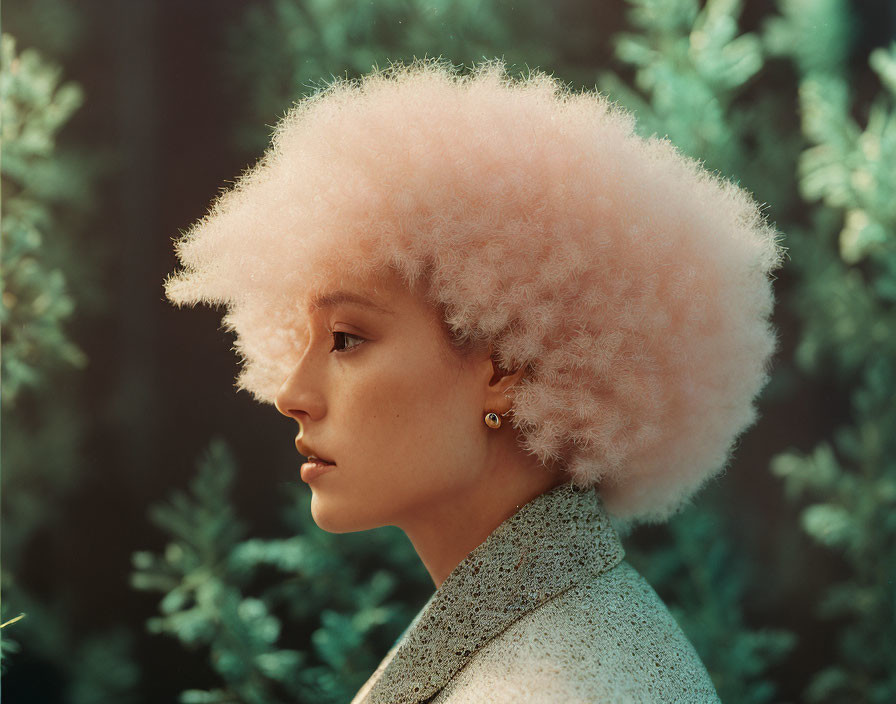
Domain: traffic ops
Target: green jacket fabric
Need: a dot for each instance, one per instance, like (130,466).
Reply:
(546,609)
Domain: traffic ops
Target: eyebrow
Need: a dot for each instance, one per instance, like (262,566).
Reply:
(334,298)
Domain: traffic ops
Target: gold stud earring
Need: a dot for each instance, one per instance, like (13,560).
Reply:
(492,420)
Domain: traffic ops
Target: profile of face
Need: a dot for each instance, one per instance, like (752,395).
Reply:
(380,392)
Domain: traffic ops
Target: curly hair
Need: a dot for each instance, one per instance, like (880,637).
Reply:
(630,282)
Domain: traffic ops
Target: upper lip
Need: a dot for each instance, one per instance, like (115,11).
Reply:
(310,452)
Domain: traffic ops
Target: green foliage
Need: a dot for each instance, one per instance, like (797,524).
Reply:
(851,169)
(212,579)
(693,81)
(852,486)
(850,480)
(814,34)
(46,190)
(284,48)
(36,301)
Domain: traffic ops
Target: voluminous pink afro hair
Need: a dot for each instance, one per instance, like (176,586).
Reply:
(630,282)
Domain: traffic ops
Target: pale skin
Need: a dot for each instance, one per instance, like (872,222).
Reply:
(381,393)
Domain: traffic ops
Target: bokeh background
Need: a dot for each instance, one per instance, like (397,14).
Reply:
(155,533)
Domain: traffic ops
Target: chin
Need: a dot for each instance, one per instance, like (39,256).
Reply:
(336,517)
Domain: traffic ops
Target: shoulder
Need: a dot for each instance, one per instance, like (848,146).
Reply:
(610,638)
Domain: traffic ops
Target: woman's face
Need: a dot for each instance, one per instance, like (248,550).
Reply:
(380,393)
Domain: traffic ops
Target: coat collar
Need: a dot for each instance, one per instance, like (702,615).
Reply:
(559,539)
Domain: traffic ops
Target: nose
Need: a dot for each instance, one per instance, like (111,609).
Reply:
(280,402)
(297,397)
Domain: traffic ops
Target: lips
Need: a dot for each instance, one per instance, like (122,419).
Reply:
(314,468)
(307,451)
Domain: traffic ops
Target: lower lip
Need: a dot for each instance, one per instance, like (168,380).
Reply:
(312,470)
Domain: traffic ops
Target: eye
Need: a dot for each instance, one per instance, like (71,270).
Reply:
(340,340)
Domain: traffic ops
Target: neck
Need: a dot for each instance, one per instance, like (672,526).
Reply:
(444,535)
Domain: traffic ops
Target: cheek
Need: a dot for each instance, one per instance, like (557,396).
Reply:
(441,411)
(418,409)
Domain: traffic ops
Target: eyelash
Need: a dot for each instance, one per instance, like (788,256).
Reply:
(347,334)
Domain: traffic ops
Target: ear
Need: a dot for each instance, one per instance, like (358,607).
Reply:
(496,398)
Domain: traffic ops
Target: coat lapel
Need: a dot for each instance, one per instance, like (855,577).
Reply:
(557,540)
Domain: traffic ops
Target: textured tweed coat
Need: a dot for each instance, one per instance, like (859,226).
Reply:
(544,610)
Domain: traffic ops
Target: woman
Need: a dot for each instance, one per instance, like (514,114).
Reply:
(498,318)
